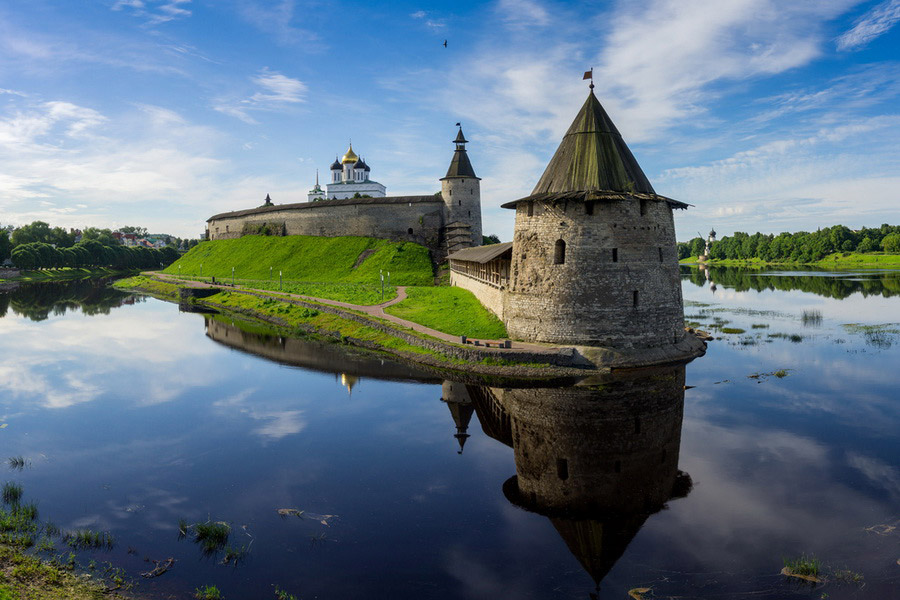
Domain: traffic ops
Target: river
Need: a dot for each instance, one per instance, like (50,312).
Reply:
(345,475)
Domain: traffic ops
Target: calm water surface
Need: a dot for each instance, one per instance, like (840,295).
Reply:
(133,416)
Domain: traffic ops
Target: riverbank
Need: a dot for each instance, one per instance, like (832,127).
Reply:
(25,576)
(838,260)
(64,274)
(370,327)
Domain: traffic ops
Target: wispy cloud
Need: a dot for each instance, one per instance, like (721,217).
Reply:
(277,19)
(871,25)
(523,14)
(430,22)
(277,91)
(155,12)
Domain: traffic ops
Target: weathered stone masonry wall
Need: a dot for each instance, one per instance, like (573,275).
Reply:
(618,284)
(417,219)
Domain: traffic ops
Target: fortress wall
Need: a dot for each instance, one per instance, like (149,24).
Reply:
(590,298)
(490,296)
(391,221)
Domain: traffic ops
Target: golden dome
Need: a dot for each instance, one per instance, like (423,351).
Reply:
(350,157)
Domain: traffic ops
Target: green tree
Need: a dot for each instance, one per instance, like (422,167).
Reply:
(866,245)
(38,231)
(5,244)
(891,242)
(697,246)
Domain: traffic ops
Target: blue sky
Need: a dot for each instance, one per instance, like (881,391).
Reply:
(765,115)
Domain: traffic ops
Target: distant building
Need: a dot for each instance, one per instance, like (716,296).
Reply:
(349,179)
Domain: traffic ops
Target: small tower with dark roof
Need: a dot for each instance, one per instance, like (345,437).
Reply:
(336,169)
(594,259)
(461,191)
(461,408)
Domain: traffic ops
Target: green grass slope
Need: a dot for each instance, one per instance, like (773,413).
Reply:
(452,310)
(308,258)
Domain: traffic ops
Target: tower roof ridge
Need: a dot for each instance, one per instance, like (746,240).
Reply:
(593,157)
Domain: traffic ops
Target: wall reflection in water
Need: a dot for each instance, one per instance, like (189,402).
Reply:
(597,460)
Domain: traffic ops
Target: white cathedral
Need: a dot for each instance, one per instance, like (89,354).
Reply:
(349,177)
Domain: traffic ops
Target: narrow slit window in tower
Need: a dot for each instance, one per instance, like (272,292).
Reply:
(588,208)
(409,231)
(643,207)
(660,255)
(635,298)
(637,424)
(559,253)
(531,209)
(618,466)
(562,468)
(615,255)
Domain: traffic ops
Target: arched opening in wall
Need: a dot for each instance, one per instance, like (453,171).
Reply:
(559,253)
(643,207)
(615,255)
(531,209)
(409,231)
(562,468)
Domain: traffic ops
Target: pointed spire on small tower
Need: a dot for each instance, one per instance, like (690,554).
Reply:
(268,201)
(460,165)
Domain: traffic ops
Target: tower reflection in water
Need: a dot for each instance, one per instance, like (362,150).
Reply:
(597,460)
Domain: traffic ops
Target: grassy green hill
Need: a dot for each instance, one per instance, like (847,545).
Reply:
(309,258)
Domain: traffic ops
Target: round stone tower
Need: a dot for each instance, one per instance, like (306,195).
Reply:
(594,258)
(461,191)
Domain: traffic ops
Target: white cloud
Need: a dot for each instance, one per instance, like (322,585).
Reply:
(155,12)
(522,14)
(73,155)
(280,88)
(276,19)
(277,92)
(871,25)
(432,23)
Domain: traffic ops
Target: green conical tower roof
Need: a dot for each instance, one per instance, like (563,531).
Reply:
(593,157)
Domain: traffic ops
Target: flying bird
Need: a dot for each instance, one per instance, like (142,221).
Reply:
(445,43)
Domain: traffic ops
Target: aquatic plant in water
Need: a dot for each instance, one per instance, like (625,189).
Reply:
(12,493)
(212,536)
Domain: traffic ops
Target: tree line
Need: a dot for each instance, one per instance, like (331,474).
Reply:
(39,246)
(801,246)
(740,279)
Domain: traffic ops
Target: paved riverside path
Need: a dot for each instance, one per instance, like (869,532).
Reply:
(375,310)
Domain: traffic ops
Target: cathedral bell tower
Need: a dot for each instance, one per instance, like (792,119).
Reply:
(461,191)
